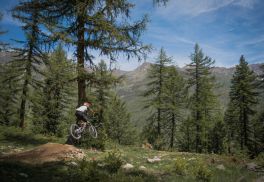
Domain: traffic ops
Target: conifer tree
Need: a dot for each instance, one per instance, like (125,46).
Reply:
(103,82)
(118,126)
(203,99)
(94,25)
(30,56)
(243,95)
(50,106)
(155,90)
(257,145)
(217,136)
(186,135)
(174,102)
(231,124)
(8,95)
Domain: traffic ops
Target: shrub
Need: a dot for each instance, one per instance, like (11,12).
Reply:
(180,167)
(113,161)
(202,172)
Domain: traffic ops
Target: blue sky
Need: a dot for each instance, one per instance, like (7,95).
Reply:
(224,29)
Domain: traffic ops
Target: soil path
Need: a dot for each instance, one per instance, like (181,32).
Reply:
(49,152)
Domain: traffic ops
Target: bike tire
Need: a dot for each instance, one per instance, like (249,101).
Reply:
(73,133)
(92,130)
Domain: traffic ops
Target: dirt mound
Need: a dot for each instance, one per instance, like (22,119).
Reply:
(49,152)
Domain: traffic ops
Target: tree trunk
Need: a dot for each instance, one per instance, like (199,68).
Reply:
(80,60)
(25,89)
(172,130)
(32,42)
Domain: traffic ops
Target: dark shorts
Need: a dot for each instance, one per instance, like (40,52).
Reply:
(81,116)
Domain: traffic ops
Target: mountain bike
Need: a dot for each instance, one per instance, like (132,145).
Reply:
(76,131)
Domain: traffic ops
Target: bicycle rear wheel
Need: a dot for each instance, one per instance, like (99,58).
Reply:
(75,131)
(92,130)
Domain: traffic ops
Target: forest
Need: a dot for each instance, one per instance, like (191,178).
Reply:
(181,112)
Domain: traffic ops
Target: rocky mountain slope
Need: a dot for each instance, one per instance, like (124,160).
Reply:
(135,84)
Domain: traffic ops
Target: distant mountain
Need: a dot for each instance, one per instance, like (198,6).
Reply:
(6,56)
(135,84)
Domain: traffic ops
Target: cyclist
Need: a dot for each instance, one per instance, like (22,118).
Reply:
(82,112)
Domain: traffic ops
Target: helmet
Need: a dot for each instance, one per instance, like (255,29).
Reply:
(87,103)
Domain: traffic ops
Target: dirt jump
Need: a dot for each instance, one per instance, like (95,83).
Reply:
(50,152)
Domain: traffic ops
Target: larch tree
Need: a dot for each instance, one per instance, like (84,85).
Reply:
(155,90)
(52,100)
(98,25)
(174,102)
(243,94)
(30,56)
(119,127)
(203,98)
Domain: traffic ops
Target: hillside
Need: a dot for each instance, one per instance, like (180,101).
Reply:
(135,84)
(28,157)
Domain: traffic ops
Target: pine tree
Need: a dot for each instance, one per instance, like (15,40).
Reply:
(51,104)
(103,82)
(95,25)
(118,126)
(217,136)
(8,95)
(186,135)
(155,90)
(100,93)
(258,135)
(30,56)
(243,95)
(231,124)
(203,99)
(174,102)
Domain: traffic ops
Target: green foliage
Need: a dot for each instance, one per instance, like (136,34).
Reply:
(118,126)
(8,95)
(113,161)
(243,98)
(107,35)
(203,101)
(217,137)
(155,90)
(180,167)
(30,56)
(174,99)
(52,101)
(203,173)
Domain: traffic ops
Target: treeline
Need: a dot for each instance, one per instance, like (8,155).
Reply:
(187,116)
(38,87)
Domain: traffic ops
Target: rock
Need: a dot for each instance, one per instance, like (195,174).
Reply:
(155,159)
(73,163)
(147,146)
(251,166)
(23,174)
(190,159)
(127,166)
(220,166)
(142,168)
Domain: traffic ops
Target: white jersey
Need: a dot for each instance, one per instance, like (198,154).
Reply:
(82,108)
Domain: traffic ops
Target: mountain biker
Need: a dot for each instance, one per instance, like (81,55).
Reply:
(82,112)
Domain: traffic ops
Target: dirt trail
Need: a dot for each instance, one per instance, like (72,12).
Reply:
(49,152)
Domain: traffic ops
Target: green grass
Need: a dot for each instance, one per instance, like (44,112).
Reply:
(174,166)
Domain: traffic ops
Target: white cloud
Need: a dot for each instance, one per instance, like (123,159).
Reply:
(194,8)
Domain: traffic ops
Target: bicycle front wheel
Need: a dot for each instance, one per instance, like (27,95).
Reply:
(75,131)
(93,132)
